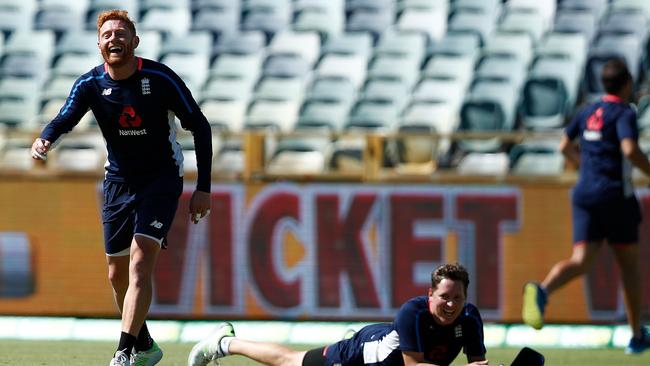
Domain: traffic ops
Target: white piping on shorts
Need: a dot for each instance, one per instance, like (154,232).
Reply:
(121,253)
(159,241)
(127,251)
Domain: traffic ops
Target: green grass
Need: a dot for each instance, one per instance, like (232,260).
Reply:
(36,353)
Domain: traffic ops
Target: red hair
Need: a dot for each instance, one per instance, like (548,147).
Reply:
(122,15)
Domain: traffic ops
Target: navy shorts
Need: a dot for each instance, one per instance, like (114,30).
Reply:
(616,221)
(146,210)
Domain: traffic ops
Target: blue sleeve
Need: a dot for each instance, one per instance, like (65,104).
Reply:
(406,324)
(473,332)
(192,119)
(76,105)
(626,126)
(572,130)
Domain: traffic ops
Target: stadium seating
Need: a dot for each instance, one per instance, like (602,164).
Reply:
(442,90)
(18,101)
(167,21)
(524,20)
(299,156)
(431,117)
(246,67)
(322,66)
(536,157)
(372,21)
(16,153)
(625,21)
(83,153)
(349,43)
(71,64)
(224,115)
(458,43)
(227,88)
(476,163)
(190,43)
(323,113)
(640,6)
(472,21)
(431,22)
(219,22)
(596,7)
(275,115)
(286,65)
(518,44)
(61,18)
(150,44)
(228,160)
(280,88)
(346,155)
(576,21)
(17,15)
(456,67)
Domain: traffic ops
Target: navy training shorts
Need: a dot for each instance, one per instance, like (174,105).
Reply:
(616,221)
(146,210)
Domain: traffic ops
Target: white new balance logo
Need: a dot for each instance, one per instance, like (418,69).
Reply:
(107,91)
(156,224)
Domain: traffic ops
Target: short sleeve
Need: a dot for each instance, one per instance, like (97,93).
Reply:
(406,324)
(473,333)
(626,125)
(572,130)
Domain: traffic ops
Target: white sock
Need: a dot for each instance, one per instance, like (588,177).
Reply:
(224,344)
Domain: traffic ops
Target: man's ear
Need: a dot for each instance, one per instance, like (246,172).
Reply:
(430,292)
(136,42)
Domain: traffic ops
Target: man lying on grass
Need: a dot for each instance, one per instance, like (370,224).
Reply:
(427,329)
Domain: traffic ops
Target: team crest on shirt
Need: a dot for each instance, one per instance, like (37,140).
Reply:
(146,88)
(458,331)
(594,125)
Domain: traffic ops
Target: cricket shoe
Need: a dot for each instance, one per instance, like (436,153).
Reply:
(209,349)
(120,359)
(149,357)
(533,306)
(638,345)
(349,333)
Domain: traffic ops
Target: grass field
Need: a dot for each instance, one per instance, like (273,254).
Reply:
(37,353)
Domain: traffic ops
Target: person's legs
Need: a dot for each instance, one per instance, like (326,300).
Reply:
(578,264)
(627,257)
(222,342)
(536,295)
(271,354)
(143,258)
(118,276)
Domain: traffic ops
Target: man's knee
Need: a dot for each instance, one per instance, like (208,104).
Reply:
(118,277)
(118,271)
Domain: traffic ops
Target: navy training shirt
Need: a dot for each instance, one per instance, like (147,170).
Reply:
(418,332)
(605,173)
(136,117)
(415,330)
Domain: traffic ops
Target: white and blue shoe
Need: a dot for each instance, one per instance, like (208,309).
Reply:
(209,349)
(120,359)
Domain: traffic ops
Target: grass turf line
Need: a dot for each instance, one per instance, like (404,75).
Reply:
(67,353)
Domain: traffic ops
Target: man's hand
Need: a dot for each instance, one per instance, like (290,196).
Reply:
(199,206)
(40,147)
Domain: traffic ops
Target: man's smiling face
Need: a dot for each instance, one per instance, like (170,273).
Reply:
(117,43)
